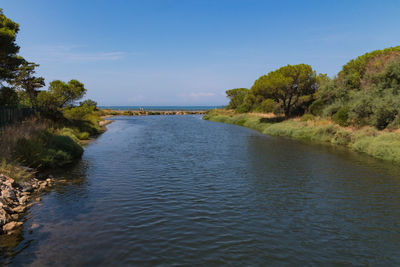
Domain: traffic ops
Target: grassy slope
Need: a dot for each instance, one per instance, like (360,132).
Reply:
(382,145)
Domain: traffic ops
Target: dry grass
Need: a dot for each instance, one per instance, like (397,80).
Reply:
(19,174)
(10,135)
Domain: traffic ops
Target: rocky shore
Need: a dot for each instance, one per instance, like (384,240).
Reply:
(16,198)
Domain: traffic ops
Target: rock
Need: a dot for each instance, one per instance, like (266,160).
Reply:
(48,180)
(23,200)
(15,217)
(19,209)
(26,187)
(38,199)
(4,217)
(11,226)
(8,193)
(25,193)
(34,226)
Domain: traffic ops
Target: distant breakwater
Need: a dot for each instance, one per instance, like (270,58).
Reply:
(113,112)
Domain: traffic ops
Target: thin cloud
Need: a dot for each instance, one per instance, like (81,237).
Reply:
(201,94)
(70,54)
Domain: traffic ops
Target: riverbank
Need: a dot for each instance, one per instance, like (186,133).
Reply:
(383,145)
(43,147)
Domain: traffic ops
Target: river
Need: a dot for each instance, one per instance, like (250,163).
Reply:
(177,190)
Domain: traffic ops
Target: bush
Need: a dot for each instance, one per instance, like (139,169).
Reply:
(66,144)
(316,107)
(342,116)
(47,150)
(383,116)
(307,117)
(83,136)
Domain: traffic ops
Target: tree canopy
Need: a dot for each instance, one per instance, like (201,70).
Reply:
(287,85)
(9,60)
(61,94)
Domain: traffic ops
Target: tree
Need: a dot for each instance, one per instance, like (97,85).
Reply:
(8,97)
(24,80)
(61,94)
(9,60)
(236,97)
(287,86)
(89,103)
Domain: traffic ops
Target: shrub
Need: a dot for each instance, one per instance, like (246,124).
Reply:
(383,116)
(66,144)
(83,136)
(307,117)
(342,116)
(316,107)
(47,150)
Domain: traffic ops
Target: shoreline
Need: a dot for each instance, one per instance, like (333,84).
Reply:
(17,197)
(382,145)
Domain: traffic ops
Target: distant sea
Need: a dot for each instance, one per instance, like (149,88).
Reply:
(161,107)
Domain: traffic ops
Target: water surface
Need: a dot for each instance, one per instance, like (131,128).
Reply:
(177,190)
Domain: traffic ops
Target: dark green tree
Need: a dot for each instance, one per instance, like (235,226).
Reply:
(236,97)
(61,94)
(25,80)
(9,60)
(287,86)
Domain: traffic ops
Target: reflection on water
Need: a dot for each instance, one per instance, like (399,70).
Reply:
(178,190)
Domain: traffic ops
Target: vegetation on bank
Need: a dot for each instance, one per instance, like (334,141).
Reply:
(53,136)
(358,108)
(379,144)
(366,92)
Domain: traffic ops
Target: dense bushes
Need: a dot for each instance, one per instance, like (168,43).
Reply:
(366,92)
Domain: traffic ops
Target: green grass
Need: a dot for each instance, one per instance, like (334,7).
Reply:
(382,145)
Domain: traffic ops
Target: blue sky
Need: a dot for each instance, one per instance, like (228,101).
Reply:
(171,52)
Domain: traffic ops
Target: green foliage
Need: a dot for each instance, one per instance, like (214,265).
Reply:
(342,116)
(25,80)
(60,95)
(236,97)
(47,150)
(247,103)
(307,117)
(268,105)
(9,60)
(353,72)
(78,113)
(287,85)
(8,97)
(316,108)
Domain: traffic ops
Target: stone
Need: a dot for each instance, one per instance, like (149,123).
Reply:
(19,209)
(38,199)
(14,217)
(11,226)
(8,193)
(23,200)
(4,217)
